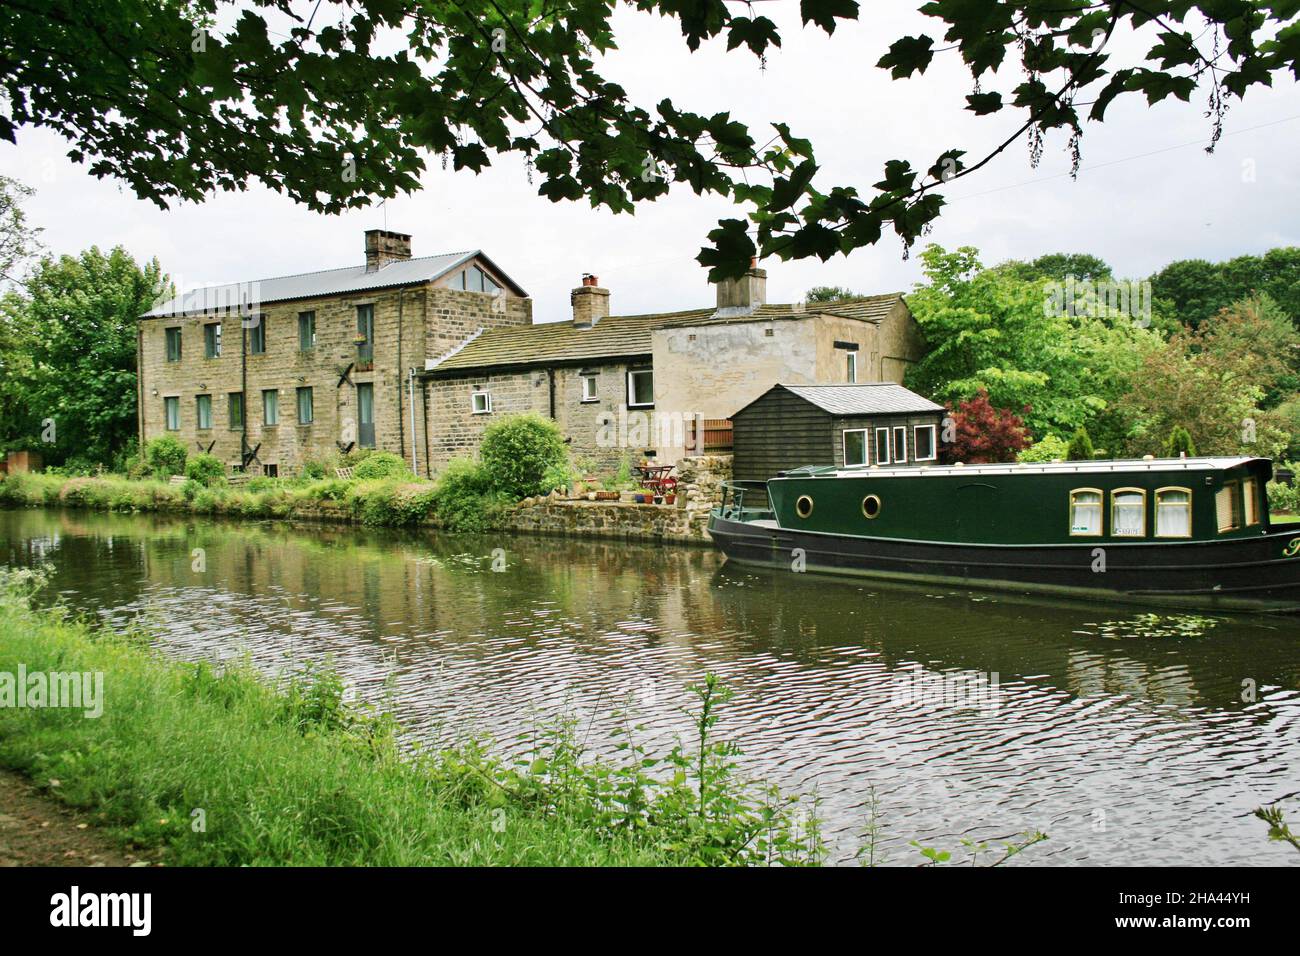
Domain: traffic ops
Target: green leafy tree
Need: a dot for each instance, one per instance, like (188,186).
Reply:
(1080,447)
(76,318)
(829,293)
(1212,381)
(1050,448)
(1059,266)
(519,451)
(990,330)
(164,456)
(1198,290)
(1180,443)
(336,103)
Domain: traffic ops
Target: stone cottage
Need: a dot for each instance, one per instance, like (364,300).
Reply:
(269,374)
(640,386)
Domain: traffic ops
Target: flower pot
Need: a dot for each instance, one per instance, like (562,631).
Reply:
(670,499)
(659,499)
(639,499)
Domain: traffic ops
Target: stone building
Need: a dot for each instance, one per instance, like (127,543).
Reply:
(639,386)
(271,373)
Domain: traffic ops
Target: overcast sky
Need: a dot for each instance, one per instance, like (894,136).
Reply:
(1147,194)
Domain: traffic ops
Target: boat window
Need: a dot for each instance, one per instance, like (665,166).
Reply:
(871,506)
(923,443)
(1227,505)
(804,506)
(855,447)
(1173,513)
(1128,513)
(1085,511)
(882,446)
(1250,501)
(900,444)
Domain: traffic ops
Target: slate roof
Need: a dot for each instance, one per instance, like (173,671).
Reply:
(307,285)
(619,336)
(876,398)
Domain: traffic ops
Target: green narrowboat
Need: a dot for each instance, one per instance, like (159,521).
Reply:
(1185,532)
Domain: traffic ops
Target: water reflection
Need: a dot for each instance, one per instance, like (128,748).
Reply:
(1124,746)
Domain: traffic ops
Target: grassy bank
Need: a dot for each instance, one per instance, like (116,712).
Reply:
(226,768)
(385,502)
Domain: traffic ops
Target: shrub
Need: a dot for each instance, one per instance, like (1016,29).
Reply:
(381,464)
(205,469)
(164,457)
(1282,497)
(1051,448)
(1080,446)
(315,470)
(517,452)
(1180,443)
(464,497)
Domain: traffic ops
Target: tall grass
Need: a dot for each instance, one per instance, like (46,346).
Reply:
(222,767)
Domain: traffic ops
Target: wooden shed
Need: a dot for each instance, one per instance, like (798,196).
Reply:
(790,426)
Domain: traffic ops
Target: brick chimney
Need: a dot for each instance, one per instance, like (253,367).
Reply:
(590,302)
(383,247)
(743,295)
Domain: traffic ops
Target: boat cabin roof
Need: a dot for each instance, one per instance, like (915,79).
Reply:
(1116,466)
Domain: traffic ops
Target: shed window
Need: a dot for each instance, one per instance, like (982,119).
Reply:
(173,337)
(882,446)
(923,443)
(855,447)
(1085,511)
(212,340)
(640,388)
(1128,513)
(851,373)
(1173,513)
(1227,506)
(589,387)
(1250,500)
(172,409)
(480,402)
(203,406)
(900,444)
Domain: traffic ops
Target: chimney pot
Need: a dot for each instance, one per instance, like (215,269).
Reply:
(589,279)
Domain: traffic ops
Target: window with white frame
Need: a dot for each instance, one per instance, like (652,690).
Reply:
(900,444)
(851,368)
(589,387)
(923,444)
(480,401)
(640,388)
(855,447)
(882,446)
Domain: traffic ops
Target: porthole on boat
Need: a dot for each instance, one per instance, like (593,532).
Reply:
(871,506)
(804,506)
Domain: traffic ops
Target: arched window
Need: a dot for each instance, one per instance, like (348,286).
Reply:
(1085,511)
(1173,513)
(1128,513)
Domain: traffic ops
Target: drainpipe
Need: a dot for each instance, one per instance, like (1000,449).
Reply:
(550,376)
(401,438)
(410,385)
(428,456)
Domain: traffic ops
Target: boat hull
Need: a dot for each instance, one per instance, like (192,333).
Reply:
(1229,575)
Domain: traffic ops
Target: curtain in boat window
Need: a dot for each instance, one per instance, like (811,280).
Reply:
(1085,512)
(1227,508)
(1127,514)
(1174,513)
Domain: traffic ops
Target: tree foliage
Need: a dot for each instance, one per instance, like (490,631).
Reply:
(983,434)
(989,330)
(1080,447)
(1059,266)
(336,103)
(518,452)
(72,345)
(1198,289)
(829,293)
(1212,381)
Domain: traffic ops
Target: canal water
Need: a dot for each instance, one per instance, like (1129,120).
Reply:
(1130,738)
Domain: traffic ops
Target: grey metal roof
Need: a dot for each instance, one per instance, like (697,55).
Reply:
(306,285)
(877,398)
